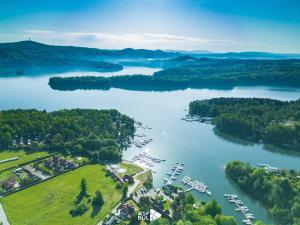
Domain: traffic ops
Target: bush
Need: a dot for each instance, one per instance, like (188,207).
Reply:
(98,199)
(79,209)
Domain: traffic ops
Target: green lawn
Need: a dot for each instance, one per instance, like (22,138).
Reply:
(131,169)
(49,202)
(23,157)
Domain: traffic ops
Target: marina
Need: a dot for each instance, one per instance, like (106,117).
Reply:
(195,185)
(146,159)
(174,173)
(240,207)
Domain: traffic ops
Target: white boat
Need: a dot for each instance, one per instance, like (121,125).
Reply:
(209,193)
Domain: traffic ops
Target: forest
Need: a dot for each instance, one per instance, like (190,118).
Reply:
(98,134)
(237,71)
(255,119)
(279,192)
(188,72)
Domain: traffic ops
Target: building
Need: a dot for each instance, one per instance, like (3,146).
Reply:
(126,211)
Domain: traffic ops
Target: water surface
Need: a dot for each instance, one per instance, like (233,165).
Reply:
(204,152)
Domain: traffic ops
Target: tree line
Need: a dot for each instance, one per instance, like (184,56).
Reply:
(255,119)
(97,134)
(279,192)
(187,72)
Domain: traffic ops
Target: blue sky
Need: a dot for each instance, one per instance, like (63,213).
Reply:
(215,25)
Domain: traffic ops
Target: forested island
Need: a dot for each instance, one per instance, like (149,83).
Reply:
(255,119)
(98,134)
(188,72)
(279,191)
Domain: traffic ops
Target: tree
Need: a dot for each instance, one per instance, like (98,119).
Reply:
(190,198)
(79,209)
(83,187)
(296,209)
(98,199)
(212,208)
(225,220)
(125,190)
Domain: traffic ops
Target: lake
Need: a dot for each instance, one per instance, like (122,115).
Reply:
(197,145)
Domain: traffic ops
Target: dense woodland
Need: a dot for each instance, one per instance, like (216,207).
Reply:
(187,72)
(255,119)
(233,71)
(280,192)
(97,134)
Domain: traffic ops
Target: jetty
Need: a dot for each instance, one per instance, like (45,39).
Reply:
(194,118)
(174,173)
(195,185)
(240,207)
(147,159)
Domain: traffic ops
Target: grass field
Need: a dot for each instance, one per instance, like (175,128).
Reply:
(23,157)
(131,169)
(49,202)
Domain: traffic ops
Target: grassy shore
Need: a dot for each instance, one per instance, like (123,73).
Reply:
(49,202)
(24,157)
(131,169)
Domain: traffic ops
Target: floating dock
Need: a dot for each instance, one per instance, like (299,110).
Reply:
(146,159)
(234,199)
(195,185)
(174,173)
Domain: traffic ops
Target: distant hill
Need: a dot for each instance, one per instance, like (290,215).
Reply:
(238,55)
(249,55)
(29,56)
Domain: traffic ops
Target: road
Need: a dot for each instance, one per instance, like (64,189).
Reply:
(3,217)
(131,190)
(35,172)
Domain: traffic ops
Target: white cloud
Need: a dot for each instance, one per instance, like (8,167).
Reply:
(134,40)
(38,31)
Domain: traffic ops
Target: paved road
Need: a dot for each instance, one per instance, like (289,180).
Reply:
(131,189)
(36,172)
(3,217)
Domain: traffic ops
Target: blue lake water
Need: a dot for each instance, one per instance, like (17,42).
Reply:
(204,152)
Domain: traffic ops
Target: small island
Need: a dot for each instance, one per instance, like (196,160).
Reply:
(255,119)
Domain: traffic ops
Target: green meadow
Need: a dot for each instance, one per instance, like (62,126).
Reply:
(50,202)
(24,157)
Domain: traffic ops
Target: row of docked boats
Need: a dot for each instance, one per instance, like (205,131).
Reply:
(148,160)
(195,185)
(240,207)
(174,173)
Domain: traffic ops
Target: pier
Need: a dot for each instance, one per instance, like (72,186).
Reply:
(241,208)
(148,160)
(173,174)
(195,185)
